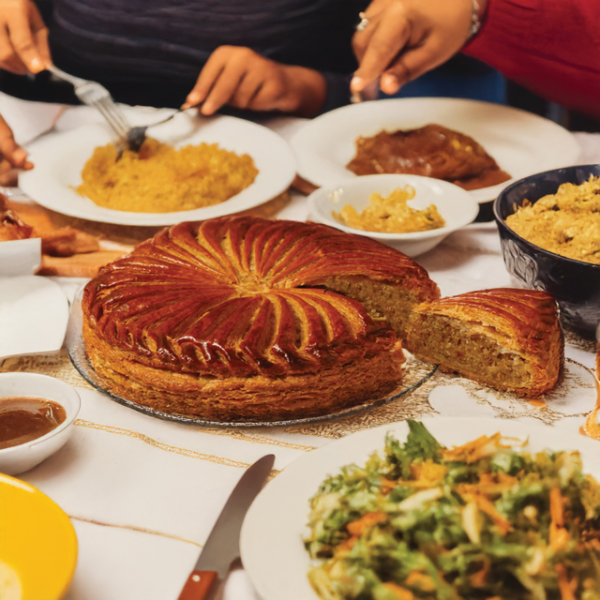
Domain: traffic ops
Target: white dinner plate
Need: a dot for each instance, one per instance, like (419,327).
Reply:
(271,542)
(59,158)
(33,316)
(521,143)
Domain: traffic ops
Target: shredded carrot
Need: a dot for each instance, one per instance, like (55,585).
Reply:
(478,578)
(420,580)
(506,479)
(566,593)
(574,583)
(387,485)
(489,484)
(556,507)
(559,536)
(486,479)
(347,545)
(473,451)
(401,593)
(465,449)
(487,507)
(368,520)
(428,471)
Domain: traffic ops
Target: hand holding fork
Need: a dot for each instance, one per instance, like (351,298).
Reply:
(96,95)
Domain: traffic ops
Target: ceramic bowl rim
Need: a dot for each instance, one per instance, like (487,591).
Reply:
(501,222)
(68,422)
(413,236)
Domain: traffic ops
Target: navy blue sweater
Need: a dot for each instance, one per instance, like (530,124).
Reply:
(151,51)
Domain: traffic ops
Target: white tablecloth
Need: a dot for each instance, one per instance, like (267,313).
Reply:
(143,494)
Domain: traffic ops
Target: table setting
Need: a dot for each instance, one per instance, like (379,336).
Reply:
(188,354)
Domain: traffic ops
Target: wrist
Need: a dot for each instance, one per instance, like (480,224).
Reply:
(307,91)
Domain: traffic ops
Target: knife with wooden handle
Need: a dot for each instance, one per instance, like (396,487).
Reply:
(223,544)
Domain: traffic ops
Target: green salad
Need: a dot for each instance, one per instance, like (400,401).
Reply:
(480,521)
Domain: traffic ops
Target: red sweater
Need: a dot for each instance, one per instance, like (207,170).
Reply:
(550,46)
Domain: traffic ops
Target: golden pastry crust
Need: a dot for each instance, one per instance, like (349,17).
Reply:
(253,398)
(233,319)
(509,339)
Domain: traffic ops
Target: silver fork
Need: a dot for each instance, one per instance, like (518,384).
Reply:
(96,95)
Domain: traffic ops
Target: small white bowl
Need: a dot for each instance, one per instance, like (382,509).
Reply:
(21,458)
(454,204)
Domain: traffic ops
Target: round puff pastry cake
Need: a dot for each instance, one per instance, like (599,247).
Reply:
(246,319)
(509,339)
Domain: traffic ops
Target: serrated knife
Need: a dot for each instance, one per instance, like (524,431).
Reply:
(223,544)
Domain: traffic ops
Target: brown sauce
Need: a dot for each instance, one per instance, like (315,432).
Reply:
(25,419)
(431,151)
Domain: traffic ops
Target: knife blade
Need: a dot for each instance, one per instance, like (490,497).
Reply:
(223,544)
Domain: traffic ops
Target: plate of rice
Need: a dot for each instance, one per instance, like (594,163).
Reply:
(190,168)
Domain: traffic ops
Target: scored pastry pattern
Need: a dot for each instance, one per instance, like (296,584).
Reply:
(243,297)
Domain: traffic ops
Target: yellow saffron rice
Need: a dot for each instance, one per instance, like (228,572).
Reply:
(162,179)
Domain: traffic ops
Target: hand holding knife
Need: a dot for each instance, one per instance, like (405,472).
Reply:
(223,544)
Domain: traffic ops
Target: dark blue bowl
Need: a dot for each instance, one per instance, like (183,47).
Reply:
(574,284)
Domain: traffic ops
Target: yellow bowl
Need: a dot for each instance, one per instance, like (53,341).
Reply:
(38,546)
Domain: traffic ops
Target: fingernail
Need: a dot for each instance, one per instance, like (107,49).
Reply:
(391,83)
(207,108)
(36,65)
(193,98)
(185,105)
(357,84)
(28,166)
(19,155)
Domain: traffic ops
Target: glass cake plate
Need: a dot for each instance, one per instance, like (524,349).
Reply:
(413,379)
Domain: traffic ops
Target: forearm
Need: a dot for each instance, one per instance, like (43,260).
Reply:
(550,46)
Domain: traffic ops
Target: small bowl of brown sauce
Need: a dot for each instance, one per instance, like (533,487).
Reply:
(36,415)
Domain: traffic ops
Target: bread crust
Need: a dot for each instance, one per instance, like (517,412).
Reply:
(523,322)
(255,398)
(231,319)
